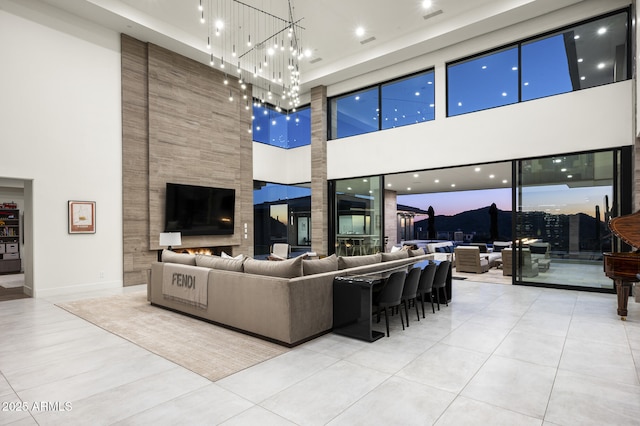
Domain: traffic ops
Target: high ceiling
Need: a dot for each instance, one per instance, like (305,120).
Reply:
(402,29)
(394,32)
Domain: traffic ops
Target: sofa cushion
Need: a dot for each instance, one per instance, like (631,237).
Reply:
(217,262)
(169,256)
(318,266)
(228,256)
(402,254)
(289,268)
(345,262)
(416,252)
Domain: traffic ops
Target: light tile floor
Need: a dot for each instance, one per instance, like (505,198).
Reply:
(498,354)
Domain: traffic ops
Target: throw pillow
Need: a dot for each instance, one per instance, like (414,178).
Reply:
(169,256)
(345,262)
(227,256)
(416,252)
(402,254)
(318,266)
(215,262)
(395,249)
(289,268)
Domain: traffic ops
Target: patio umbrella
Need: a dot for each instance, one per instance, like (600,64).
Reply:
(431,224)
(493,227)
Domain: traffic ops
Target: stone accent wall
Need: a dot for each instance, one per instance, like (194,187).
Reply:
(135,162)
(194,135)
(390,218)
(319,190)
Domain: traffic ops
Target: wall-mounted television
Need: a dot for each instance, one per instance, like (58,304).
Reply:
(199,210)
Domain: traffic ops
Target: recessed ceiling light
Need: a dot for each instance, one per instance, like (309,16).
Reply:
(504,93)
(526,83)
(504,181)
(389,185)
(583,78)
(417,93)
(437,181)
(459,103)
(602,30)
(601,65)
(580,59)
(492,176)
(409,189)
(426,4)
(415,175)
(484,67)
(477,169)
(514,68)
(569,176)
(576,37)
(365,180)
(563,170)
(360,31)
(348,188)
(453,185)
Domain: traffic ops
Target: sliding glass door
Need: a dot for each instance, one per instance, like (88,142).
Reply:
(562,205)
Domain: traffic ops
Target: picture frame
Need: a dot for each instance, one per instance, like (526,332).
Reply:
(82,217)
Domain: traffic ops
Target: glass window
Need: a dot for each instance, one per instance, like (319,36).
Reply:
(600,51)
(289,129)
(358,213)
(260,123)
(355,113)
(584,56)
(408,101)
(282,214)
(545,68)
(299,127)
(483,82)
(561,221)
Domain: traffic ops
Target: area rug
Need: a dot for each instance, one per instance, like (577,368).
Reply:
(206,349)
(12,281)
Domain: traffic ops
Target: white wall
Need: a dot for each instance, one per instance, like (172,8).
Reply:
(61,126)
(278,165)
(597,118)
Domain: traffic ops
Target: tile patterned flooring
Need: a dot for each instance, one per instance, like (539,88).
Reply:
(498,354)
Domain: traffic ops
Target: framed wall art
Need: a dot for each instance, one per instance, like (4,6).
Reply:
(82,217)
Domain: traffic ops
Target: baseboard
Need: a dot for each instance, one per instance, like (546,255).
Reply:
(75,289)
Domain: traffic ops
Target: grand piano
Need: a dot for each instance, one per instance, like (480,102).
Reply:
(623,267)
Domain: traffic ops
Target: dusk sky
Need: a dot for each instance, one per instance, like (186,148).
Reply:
(557,199)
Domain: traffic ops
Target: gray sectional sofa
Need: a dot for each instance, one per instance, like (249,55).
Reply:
(288,302)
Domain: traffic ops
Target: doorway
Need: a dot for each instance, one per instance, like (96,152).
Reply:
(16,277)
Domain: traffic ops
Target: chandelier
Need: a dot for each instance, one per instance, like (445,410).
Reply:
(254,46)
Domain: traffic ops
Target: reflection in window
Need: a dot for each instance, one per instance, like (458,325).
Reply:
(358,213)
(579,57)
(355,114)
(483,82)
(282,214)
(408,101)
(286,129)
(587,55)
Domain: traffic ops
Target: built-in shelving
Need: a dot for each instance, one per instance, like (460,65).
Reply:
(10,241)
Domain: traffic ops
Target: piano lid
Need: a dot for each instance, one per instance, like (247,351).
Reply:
(627,228)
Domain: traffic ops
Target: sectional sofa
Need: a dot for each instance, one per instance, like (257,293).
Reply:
(287,302)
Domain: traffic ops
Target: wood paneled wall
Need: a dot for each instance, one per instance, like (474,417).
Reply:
(194,135)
